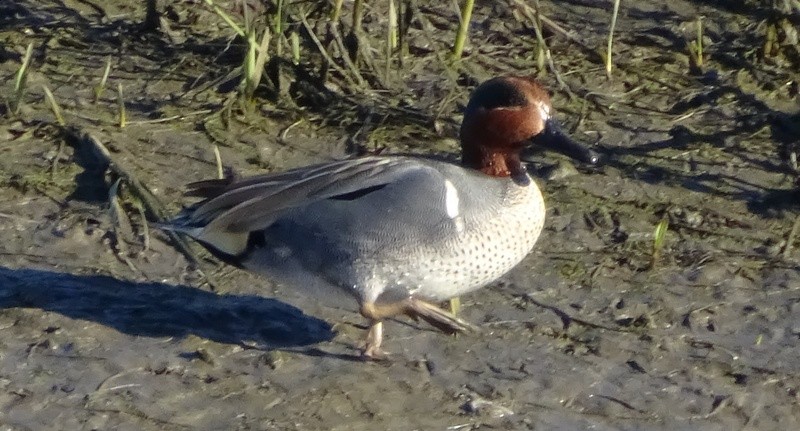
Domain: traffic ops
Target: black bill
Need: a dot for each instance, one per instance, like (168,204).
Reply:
(554,139)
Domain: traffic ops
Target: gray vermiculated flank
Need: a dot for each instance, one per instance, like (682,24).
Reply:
(390,243)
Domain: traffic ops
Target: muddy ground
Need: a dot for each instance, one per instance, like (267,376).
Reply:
(104,324)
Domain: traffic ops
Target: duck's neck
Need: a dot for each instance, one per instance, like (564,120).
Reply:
(494,162)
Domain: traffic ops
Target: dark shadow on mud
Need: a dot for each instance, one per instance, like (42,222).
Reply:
(162,310)
(753,115)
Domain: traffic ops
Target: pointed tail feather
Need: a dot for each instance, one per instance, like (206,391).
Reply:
(228,243)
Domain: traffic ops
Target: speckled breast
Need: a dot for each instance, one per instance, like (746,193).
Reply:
(487,242)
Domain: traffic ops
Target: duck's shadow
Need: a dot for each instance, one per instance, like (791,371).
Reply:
(162,310)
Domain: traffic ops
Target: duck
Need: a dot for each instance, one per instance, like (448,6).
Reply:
(398,234)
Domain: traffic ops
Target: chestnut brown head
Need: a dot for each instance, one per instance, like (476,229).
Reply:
(503,116)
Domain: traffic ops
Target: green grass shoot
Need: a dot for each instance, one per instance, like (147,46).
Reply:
(696,47)
(20,80)
(123,118)
(659,235)
(463,29)
(51,100)
(101,86)
(608,56)
(218,160)
(257,53)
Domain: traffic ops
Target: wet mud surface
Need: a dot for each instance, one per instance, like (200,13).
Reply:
(106,325)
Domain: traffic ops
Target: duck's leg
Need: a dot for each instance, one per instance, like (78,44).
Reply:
(455,305)
(372,344)
(412,307)
(376,313)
